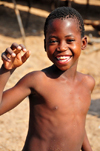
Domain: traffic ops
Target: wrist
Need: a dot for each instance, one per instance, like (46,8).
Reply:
(6,70)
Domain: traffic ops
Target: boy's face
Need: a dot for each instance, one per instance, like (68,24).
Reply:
(63,42)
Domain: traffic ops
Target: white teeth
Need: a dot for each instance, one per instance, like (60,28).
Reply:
(63,57)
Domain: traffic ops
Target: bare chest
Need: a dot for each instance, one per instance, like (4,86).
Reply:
(66,98)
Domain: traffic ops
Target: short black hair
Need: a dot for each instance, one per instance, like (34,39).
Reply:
(65,12)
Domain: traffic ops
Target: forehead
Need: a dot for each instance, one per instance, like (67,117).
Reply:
(63,25)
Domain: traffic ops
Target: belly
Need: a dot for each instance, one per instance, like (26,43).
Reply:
(55,136)
(55,127)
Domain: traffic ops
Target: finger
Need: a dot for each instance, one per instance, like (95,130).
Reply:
(14,46)
(4,57)
(9,52)
(19,47)
(23,47)
(25,56)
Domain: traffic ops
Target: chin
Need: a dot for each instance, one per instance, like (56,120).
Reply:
(62,68)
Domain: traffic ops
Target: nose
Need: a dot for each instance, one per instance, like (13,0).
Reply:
(62,46)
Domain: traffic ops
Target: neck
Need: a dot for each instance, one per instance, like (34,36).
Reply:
(68,74)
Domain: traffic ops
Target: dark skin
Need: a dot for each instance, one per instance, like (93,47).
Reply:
(59,96)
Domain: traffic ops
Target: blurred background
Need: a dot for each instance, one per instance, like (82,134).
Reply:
(22,21)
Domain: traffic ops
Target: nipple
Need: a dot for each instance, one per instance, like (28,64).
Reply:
(55,108)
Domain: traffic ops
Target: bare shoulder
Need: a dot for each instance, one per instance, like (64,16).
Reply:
(35,76)
(35,79)
(89,81)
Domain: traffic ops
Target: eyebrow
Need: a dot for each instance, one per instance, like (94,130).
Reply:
(52,36)
(69,35)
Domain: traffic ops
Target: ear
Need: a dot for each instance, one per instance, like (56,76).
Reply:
(84,42)
(45,44)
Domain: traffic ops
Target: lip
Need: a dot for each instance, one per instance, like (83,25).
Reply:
(63,59)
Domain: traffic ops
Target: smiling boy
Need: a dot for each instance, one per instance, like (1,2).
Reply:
(59,96)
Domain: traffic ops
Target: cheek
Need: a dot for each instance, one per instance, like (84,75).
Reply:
(50,54)
(50,49)
(77,49)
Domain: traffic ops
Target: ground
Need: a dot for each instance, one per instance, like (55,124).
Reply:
(14,124)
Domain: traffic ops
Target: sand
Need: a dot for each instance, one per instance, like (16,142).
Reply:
(14,124)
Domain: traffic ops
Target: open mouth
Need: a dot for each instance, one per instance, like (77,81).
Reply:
(63,58)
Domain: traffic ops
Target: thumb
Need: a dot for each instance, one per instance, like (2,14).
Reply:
(25,56)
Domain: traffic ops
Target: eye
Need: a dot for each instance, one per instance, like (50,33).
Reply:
(70,40)
(53,41)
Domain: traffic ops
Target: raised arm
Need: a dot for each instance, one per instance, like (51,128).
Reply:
(12,59)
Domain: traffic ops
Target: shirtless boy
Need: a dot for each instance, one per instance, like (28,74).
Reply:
(59,96)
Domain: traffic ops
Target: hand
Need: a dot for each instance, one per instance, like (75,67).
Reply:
(12,57)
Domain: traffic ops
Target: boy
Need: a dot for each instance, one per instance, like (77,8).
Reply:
(59,96)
